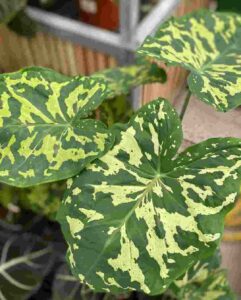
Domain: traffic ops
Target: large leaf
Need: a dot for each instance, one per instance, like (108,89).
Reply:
(205,280)
(121,80)
(44,135)
(9,8)
(139,217)
(207,44)
(25,261)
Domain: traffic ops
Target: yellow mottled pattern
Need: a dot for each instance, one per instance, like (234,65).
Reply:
(156,246)
(126,261)
(27,108)
(130,144)
(75,98)
(76,191)
(227,172)
(5,150)
(53,104)
(4,107)
(193,55)
(28,173)
(75,225)
(193,42)
(91,214)
(145,214)
(41,112)
(119,194)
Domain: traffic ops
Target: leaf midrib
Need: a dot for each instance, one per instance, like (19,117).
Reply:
(125,220)
(220,55)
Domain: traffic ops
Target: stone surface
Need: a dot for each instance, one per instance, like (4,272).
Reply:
(202,122)
(231,261)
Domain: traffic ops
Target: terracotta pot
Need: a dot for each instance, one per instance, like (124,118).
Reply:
(101,13)
(176,76)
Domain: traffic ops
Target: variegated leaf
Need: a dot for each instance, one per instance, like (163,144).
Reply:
(208,45)
(214,287)
(139,217)
(121,80)
(43,134)
(205,280)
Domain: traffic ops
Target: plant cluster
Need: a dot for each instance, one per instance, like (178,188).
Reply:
(137,214)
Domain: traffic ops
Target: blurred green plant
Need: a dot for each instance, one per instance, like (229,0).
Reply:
(229,5)
(12,14)
(42,199)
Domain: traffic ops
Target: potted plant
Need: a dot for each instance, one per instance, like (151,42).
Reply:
(138,215)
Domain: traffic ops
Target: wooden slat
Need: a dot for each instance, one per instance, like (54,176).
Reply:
(48,51)
(80,59)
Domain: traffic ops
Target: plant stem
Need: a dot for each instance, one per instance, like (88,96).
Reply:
(185,105)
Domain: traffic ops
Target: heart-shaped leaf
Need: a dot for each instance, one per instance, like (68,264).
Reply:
(208,45)
(140,216)
(43,134)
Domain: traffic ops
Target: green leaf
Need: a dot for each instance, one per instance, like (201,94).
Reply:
(141,215)
(44,135)
(121,80)
(9,8)
(215,287)
(207,44)
(205,280)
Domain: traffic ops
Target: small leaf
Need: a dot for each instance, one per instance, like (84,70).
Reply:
(9,8)
(141,215)
(121,80)
(207,44)
(204,280)
(44,135)
(25,261)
